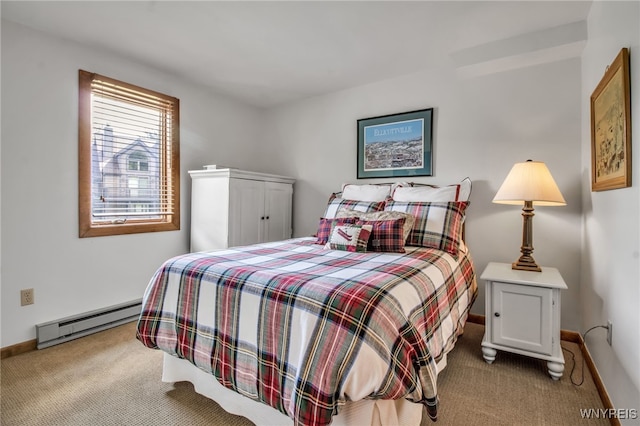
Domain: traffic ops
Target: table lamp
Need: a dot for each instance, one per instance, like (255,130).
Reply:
(530,183)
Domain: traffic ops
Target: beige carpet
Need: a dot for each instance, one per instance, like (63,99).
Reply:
(111,379)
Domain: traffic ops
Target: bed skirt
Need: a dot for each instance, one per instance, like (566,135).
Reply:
(363,412)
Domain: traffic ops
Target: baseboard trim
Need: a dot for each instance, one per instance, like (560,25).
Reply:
(476,319)
(574,337)
(17,349)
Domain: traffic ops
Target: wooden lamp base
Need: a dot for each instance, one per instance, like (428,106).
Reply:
(526,261)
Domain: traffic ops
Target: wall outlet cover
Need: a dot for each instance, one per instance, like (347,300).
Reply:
(26,297)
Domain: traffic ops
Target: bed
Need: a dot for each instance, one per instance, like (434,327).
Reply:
(308,332)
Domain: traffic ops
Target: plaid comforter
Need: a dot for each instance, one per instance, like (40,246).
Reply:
(304,329)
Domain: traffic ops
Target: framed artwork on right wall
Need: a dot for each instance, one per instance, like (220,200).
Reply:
(611,127)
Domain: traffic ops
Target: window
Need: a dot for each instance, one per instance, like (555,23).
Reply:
(129,164)
(138,186)
(138,161)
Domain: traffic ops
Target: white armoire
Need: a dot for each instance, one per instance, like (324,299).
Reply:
(231,207)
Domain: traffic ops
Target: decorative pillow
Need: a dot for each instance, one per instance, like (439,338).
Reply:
(432,193)
(324,228)
(437,225)
(352,238)
(383,215)
(366,192)
(336,203)
(465,190)
(386,235)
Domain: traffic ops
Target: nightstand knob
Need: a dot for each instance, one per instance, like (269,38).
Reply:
(497,314)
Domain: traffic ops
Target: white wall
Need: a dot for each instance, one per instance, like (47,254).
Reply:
(482,127)
(40,244)
(610,256)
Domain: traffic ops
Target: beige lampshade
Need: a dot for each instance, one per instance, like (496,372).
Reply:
(529,181)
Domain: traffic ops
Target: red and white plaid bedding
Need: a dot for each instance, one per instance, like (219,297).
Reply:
(304,329)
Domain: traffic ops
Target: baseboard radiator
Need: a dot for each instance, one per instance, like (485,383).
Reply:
(69,328)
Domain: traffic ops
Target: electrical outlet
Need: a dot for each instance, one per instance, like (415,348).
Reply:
(26,297)
(609,332)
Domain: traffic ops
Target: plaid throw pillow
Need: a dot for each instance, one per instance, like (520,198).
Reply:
(386,235)
(438,225)
(353,238)
(324,228)
(383,215)
(336,203)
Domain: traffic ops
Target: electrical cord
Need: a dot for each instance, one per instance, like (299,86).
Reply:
(573,357)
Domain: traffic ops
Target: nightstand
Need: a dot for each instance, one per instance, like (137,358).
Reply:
(522,311)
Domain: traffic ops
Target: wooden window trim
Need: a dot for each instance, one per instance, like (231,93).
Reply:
(86,227)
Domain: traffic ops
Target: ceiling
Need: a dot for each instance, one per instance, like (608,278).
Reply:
(267,53)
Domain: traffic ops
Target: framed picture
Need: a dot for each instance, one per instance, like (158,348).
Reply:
(611,127)
(395,145)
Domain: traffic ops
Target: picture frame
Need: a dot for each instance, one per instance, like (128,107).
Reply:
(395,145)
(611,127)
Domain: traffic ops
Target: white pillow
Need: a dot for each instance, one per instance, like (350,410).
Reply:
(465,190)
(365,192)
(432,193)
(426,194)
